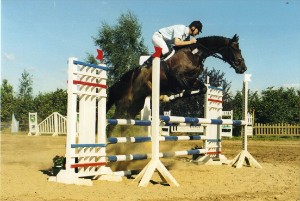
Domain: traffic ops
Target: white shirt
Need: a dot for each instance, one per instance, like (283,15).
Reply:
(175,31)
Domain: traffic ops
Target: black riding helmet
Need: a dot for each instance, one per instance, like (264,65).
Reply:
(197,25)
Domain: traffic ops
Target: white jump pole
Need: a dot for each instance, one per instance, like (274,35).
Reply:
(155,163)
(244,155)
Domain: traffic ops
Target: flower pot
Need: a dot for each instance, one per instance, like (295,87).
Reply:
(56,169)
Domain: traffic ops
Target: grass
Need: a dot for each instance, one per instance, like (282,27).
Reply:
(267,138)
(276,137)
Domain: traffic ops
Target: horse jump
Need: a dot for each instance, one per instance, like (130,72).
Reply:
(86,156)
(212,107)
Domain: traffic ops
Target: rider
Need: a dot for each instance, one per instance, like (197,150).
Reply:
(176,35)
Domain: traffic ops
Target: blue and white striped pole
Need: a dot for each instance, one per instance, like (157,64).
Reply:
(193,120)
(115,140)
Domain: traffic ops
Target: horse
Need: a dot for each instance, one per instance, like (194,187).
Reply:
(178,73)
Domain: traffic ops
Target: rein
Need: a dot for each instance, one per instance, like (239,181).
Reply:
(212,54)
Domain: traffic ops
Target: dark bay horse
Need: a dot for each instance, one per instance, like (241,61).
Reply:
(180,72)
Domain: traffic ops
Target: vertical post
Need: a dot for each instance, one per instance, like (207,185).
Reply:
(55,116)
(71,115)
(155,163)
(244,156)
(245,110)
(155,106)
(102,116)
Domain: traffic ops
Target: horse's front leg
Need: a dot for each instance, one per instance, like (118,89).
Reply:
(198,88)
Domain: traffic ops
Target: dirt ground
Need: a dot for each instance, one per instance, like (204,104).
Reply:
(26,159)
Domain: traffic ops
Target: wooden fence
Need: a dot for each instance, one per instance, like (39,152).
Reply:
(276,129)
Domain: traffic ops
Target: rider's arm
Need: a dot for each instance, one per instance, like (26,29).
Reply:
(178,42)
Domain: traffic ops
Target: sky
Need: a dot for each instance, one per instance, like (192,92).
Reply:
(39,35)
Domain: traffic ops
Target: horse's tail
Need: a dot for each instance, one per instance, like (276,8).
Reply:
(115,93)
(110,100)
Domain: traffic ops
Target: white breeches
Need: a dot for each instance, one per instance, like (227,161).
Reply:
(158,41)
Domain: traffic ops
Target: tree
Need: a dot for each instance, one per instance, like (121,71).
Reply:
(91,59)
(278,106)
(236,104)
(7,101)
(122,45)
(47,103)
(25,87)
(24,102)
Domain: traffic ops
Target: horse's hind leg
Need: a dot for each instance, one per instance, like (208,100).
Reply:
(136,107)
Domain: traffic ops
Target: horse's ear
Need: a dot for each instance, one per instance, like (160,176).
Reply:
(235,38)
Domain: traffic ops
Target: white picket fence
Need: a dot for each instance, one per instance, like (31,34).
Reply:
(280,129)
(55,124)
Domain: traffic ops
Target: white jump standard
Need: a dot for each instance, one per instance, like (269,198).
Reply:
(85,155)
(244,156)
(146,174)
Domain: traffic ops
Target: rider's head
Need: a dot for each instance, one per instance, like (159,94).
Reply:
(195,28)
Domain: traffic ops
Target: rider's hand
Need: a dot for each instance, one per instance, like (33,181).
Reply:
(193,40)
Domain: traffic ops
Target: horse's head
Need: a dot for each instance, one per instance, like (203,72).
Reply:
(233,55)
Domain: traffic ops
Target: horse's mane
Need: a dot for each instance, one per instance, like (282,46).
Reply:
(215,39)
(212,37)
(204,41)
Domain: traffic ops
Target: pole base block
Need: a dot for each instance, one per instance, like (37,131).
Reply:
(208,160)
(244,157)
(68,177)
(145,175)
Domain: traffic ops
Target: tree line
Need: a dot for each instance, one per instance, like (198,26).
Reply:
(22,101)
(122,44)
(271,105)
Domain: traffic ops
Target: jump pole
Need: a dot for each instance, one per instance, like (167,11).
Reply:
(244,155)
(145,175)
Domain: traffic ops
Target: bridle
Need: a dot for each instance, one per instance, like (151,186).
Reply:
(234,62)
